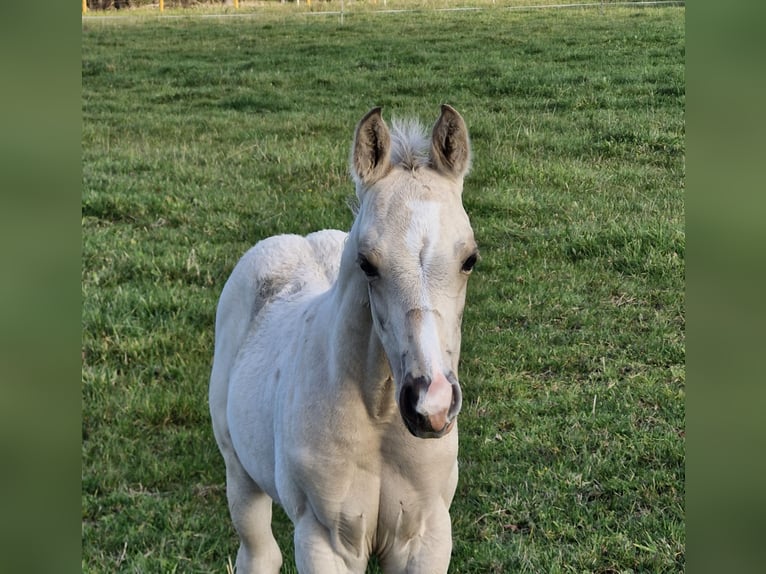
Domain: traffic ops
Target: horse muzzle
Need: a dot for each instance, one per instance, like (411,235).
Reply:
(429,406)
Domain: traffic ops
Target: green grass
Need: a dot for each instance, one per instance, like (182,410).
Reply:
(202,136)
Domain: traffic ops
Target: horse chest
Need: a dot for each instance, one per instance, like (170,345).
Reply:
(378,491)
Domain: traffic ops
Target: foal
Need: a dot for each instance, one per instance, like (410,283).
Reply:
(334,388)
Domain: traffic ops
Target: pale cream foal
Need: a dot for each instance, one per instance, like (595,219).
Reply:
(334,389)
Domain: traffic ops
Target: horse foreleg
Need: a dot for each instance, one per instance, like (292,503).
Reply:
(250,510)
(428,552)
(317,553)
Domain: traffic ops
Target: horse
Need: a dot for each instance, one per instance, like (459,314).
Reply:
(334,388)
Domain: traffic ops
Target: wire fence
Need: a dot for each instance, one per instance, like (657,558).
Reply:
(109,9)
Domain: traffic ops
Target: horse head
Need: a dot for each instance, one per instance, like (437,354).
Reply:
(415,248)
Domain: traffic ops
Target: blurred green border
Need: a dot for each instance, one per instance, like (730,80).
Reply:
(40,176)
(40,304)
(726,266)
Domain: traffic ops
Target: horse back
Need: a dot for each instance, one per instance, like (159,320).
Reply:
(274,268)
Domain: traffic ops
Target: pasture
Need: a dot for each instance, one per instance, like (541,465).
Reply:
(202,136)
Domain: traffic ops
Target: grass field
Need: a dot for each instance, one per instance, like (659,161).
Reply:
(202,136)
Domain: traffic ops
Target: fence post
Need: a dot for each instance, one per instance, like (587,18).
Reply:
(236,4)
(84,6)
(162,5)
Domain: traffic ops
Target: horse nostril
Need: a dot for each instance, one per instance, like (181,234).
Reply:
(417,385)
(412,389)
(457,400)
(409,398)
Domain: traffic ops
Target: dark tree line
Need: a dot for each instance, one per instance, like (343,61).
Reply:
(104,4)
(118,4)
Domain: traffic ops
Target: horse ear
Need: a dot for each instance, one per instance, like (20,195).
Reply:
(371,152)
(450,147)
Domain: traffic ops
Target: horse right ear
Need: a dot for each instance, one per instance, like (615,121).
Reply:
(450,147)
(371,152)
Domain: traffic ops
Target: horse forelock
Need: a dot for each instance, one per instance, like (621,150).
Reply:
(410,144)
(410,149)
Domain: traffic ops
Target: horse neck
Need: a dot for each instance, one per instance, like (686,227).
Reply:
(357,358)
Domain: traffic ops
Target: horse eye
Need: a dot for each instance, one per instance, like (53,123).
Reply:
(369,269)
(469,263)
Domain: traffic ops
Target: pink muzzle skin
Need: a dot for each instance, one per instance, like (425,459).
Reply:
(429,406)
(436,403)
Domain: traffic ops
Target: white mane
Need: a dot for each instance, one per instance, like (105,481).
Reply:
(410,143)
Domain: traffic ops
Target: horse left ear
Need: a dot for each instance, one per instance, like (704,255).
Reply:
(450,147)
(371,152)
